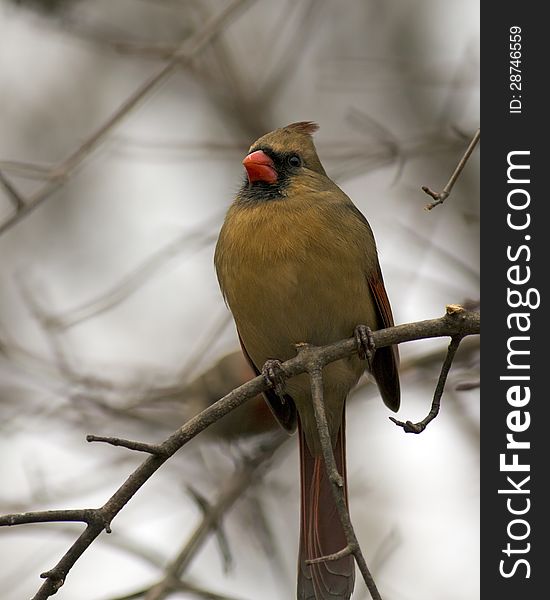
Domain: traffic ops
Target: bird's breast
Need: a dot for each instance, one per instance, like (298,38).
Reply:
(291,277)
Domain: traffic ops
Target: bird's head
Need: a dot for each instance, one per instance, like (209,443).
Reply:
(278,159)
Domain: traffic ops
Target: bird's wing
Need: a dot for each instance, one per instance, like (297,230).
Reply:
(283,409)
(386,360)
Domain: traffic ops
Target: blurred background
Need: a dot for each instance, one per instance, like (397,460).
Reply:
(111,320)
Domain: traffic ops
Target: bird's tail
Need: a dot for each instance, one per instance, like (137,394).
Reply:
(321,531)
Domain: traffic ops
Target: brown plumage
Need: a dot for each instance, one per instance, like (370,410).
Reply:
(297,262)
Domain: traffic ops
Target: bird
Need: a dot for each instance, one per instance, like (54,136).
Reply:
(297,263)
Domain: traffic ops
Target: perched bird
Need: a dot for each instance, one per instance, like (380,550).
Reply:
(297,262)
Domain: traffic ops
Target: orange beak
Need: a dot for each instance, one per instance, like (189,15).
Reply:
(259,167)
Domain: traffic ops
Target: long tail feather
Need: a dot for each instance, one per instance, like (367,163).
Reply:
(321,532)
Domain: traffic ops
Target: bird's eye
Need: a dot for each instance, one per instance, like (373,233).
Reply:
(294,161)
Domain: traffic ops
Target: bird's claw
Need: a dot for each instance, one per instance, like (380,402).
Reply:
(365,343)
(275,376)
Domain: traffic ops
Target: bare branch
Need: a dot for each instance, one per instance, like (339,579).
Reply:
(27,170)
(14,195)
(281,70)
(221,538)
(48,516)
(419,427)
(467,385)
(131,445)
(440,197)
(457,322)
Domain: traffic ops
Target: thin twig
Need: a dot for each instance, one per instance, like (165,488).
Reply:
(468,385)
(34,296)
(185,53)
(221,538)
(48,516)
(154,449)
(440,197)
(329,557)
(13,194)
(281,70)
(409,426)
(26,170)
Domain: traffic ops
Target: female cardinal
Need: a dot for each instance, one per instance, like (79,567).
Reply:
(297,262)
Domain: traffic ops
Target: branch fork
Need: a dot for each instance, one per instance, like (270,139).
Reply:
(440,197)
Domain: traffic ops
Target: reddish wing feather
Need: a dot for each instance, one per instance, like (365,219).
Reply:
(386,360)
(376,284)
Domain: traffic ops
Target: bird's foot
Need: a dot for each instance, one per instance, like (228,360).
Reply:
(365,344)
(275,376)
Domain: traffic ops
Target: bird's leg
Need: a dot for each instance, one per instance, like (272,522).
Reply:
(365,344)
(275,376)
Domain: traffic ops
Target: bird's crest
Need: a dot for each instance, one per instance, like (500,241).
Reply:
(307,127)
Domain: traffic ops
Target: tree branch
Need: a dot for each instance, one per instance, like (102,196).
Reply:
(154,449)
(48,516)
(419,427)
(14,195)
(440,197)
(457,322)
